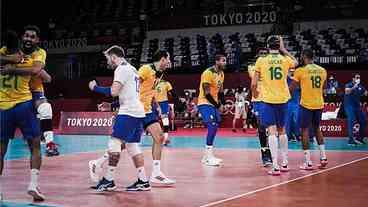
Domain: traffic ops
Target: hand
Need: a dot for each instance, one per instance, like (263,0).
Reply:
(16,58)
(104,106)
(92,85)
(282,45)
(4,70)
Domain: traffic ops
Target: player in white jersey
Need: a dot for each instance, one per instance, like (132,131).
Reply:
(128,126)
(240,109)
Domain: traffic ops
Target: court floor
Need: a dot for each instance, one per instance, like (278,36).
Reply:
(241,181)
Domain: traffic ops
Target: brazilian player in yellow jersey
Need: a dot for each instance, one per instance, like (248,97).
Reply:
(16,107)
(210,99)
(163,89)
(273,70)
(311,78)
(150,75)
(44,109)
(256,110)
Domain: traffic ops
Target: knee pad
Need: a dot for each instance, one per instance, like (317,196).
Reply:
(45,111)
(133,149)
(114,145)
(165,121)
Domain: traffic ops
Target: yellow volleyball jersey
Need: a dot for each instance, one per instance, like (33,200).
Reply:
(147,74)
(273,70)
(14,89)
(215,80)
(311,78)
(162,88)
(251,73)
(39,55)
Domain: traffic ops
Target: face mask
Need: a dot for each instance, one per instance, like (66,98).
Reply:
(357,81)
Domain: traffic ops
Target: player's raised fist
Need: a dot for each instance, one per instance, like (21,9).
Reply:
(92,85)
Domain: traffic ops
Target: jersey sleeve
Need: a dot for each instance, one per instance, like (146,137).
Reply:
(206,77)
(324,76)
(144,72)
(169,86)
(349,85)
(258,65)
(298,75)
(289,62)
(40,56)
(120,76)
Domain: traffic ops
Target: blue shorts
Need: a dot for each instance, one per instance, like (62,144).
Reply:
(128,128)
(21,116)
(273,114)
(150,118)
(164,107)
(38,95)
(257,105)
(309,117)
(209,113)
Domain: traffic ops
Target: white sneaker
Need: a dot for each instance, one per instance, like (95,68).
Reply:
(94,171)
(211,161)
(35,192)
(162,179)
(307,166)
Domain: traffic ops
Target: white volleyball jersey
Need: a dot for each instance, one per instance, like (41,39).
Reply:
(129,101)
(240,99)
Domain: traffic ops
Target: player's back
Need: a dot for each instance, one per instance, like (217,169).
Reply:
(312,78)
(15,89)
(129,98)
(273,69)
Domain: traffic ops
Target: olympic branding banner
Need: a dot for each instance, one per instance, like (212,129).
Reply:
(100,123)
(334,128)
(96,123)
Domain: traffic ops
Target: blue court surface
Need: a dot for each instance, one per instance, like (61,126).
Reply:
(13,204)
(70,144)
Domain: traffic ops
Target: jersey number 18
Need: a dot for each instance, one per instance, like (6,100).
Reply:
(316,81)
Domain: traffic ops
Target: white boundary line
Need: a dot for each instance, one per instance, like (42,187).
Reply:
(282,183)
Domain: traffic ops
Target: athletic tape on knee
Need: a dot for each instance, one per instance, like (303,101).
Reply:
(133,149)
(165,121)
(114,145)
(45,111)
